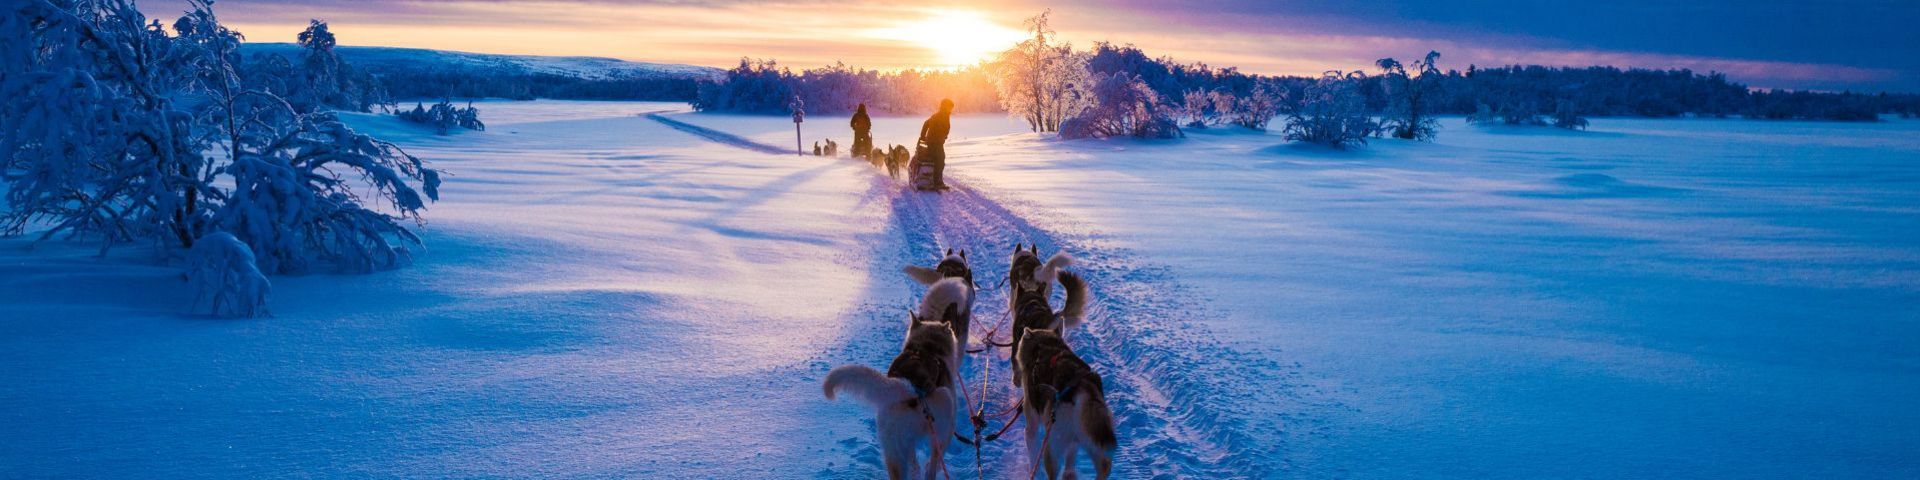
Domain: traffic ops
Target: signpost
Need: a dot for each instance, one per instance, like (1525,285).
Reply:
(799,115)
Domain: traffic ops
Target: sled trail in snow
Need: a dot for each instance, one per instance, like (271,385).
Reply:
(1163,378)
(1167,381)
(717,136)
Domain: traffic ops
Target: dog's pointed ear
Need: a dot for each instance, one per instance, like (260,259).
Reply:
(963,254)
(1016,247)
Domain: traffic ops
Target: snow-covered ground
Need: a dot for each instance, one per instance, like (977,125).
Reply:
(608,294)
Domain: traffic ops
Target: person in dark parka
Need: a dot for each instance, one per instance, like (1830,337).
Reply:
(933,148)
(862,131)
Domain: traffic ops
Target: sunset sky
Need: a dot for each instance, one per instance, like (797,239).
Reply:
(1829,45)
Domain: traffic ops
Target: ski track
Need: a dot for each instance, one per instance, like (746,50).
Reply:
(717,136)
(1168,382)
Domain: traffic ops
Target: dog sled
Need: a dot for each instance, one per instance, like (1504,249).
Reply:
(925,172)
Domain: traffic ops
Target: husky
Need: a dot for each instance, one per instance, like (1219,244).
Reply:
(1030,287)
(1033,313)
(1026,273)
(914,401)
(895,159)
(1064,396)
(953,266)
(878,157)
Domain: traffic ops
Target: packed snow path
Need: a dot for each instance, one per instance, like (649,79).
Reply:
(1160,375)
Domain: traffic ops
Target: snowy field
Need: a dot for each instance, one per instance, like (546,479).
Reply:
(609,295)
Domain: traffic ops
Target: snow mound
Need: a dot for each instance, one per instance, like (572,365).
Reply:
(1595,185)
(224,278)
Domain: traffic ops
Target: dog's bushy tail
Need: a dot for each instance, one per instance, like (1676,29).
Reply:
(1051,269)
(1098,420)
(924,275)
(1075,308)
(866,385)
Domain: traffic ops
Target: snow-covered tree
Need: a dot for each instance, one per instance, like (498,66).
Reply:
(114,128)
(1332,113)
(93,137)
(1408,97)
(325,80)
(1040,81)
(299,176)
(1124,106)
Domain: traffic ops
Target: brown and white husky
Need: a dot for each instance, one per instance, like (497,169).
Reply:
(914,401)
(1066,406)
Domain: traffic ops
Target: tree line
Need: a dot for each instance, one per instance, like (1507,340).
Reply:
(1049,83)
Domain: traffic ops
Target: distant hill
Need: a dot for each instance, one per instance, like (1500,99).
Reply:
(381,59)
(424,73)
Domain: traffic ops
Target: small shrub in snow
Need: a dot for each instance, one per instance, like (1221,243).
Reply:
(1123,106)
(224,278)
(1509,113)
(1332,113)
(1258,108)
(1567,116)
(443,117)
(1202,109)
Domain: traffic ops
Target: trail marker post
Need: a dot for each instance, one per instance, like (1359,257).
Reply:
(799,115)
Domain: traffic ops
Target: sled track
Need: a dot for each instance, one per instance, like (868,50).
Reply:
(1164,378)
(717,136)
(1172,388)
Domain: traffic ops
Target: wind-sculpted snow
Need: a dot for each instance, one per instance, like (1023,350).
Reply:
(610,296)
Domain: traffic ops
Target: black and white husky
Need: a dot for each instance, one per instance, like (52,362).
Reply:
(1065,405)
(949,282)
(1033,312)
(1026,273)
(915,401)
(1029,289)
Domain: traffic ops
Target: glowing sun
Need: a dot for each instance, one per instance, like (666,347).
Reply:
(956,37)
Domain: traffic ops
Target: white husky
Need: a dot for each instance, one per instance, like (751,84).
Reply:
(949,283)
(914,402)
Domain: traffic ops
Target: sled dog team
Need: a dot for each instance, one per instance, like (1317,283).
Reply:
(916,400)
